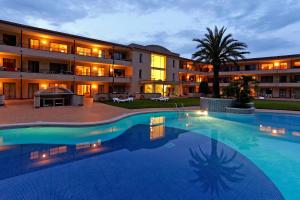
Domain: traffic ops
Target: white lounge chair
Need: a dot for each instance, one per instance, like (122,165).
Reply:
(155,99)
(160,99)
(164,99)
(130,99)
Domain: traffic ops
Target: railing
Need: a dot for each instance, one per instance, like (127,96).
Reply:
(69,50)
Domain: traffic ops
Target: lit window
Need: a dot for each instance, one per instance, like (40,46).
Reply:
(158,67)
(83,71)
(100,71)
(297,64)
(34,44)
(97,52)
(34,155)
(63,48)
(83,51)
(148,88)
(157,128)
(158,61)
(283,66)
(158,74)
(268,66)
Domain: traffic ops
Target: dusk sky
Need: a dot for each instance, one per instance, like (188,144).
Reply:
(269,27)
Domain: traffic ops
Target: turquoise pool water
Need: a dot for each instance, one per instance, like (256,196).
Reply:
(270,141)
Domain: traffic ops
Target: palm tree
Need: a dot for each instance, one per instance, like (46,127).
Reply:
(218,49)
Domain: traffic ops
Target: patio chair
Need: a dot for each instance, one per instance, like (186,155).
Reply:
(164,99)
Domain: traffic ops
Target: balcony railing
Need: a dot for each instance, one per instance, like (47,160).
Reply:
(69,50)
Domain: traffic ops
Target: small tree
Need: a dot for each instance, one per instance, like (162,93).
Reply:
(240,89)
(204,89)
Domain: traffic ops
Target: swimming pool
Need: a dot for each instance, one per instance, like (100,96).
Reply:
(166,155)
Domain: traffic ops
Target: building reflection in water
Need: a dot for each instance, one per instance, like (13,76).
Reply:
(24,158)
(272,131)
(296,133)
(157,128)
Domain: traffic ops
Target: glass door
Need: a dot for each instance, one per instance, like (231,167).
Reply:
(9,90)
(32,89)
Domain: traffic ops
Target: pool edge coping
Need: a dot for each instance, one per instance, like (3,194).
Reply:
(82,124)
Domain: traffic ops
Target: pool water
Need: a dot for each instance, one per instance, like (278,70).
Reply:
(166,155)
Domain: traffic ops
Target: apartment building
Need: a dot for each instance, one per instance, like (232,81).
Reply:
(277,76)
(32,59)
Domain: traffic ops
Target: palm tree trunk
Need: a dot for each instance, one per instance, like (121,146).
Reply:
(216,86)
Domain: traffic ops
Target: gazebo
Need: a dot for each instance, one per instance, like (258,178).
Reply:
(57,96)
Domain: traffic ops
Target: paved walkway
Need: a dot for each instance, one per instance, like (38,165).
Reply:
(23,112)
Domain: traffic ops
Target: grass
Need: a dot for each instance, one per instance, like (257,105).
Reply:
(259,104)
(277,105)
(137,104)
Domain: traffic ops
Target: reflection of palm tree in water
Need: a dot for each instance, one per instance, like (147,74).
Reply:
(215,170)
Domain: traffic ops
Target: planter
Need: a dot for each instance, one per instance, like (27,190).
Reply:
(240,110)
(77,100)
(215,104)
(2,98)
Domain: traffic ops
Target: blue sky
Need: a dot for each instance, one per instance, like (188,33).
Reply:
(269,27)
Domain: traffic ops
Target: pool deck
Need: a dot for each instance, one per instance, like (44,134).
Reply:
(22,113)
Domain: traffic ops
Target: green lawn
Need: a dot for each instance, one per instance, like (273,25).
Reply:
(157,104)
(277,105)
(259,104)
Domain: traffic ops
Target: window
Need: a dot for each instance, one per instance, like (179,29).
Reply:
(157,74)
(158,61)
(267,79)
(250,67)
(119,89)
(97,52)
(141,58)
(282,79)
(140,73)
(9,39)
(158,67)
(119,72)
(83,71)
(63,48)
(101,89)
(61,85)
(191,89)
(173,63)
(9,63)
(100,71)
(84,90)
(119,56)
(83,51)
(283,66)
(297,64)
(58,68)
(148,88)
(34,44)
(33,66)
(267,66)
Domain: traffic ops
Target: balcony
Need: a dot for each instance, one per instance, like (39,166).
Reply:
(63,54)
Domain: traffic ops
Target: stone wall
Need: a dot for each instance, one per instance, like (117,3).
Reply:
(215,105)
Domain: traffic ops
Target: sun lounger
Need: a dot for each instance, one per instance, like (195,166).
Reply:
(160,99)
(130,99)
(164,99)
